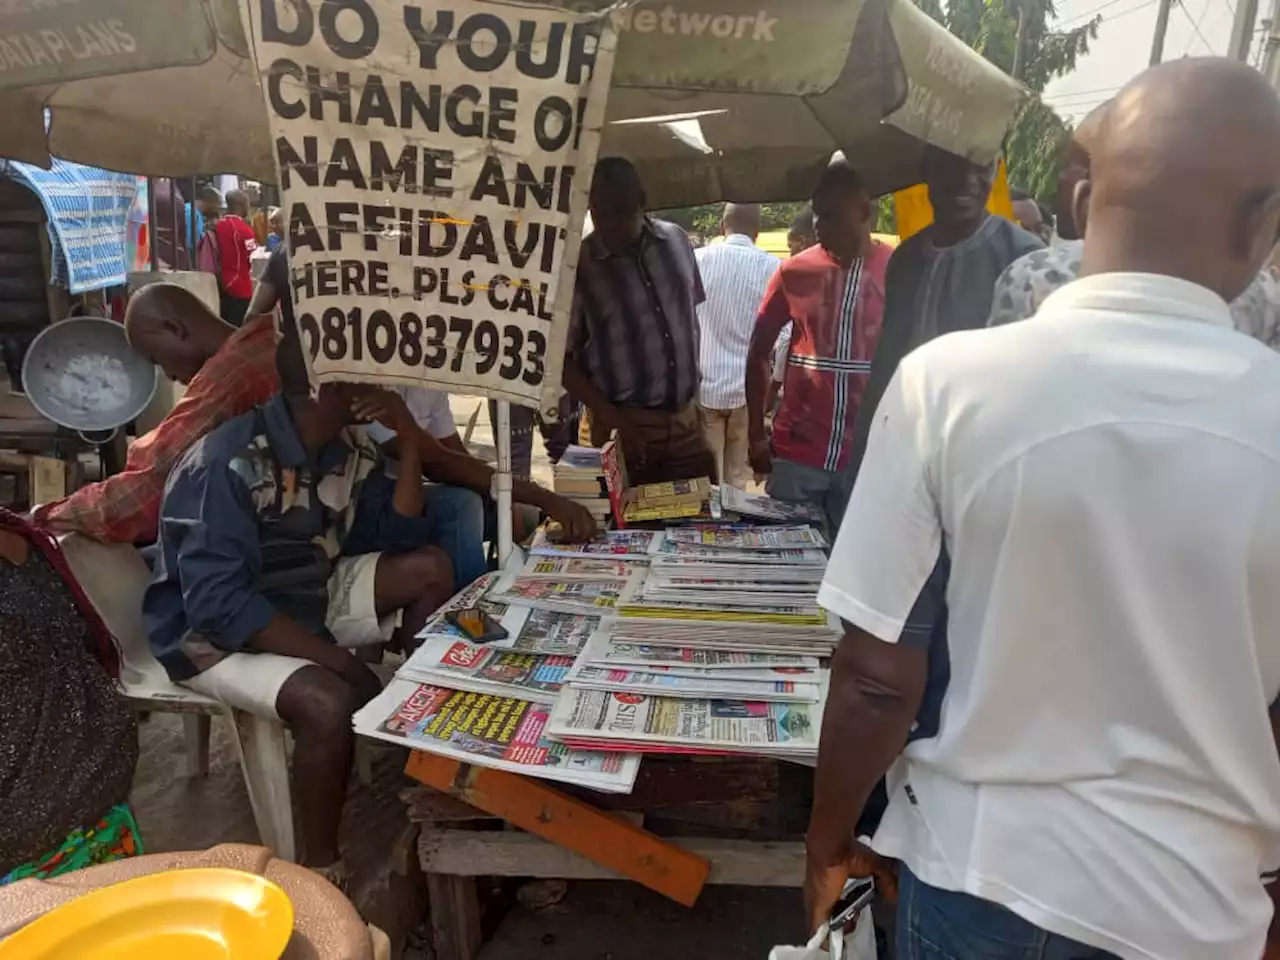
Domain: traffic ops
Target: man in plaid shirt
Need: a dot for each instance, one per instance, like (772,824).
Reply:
(227,372)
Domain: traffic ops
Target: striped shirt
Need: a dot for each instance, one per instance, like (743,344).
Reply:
(836,313)
(634,325)
(735,274)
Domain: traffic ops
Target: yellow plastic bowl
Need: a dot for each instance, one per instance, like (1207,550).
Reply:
(206,914)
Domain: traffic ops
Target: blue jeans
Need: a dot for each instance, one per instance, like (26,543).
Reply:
(452,519)
(935,924)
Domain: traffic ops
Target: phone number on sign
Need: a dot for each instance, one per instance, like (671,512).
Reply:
(430,341)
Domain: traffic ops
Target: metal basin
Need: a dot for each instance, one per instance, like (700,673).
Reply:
(81,373)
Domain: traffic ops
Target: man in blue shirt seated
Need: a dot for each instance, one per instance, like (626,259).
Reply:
(253,601)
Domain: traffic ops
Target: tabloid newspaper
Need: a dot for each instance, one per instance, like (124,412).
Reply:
(763,507)
(615,544)
(628,721)
(453,662)
(552,568)
(664,684)
(529,630)
(733,537)
(619,654)
(504,733)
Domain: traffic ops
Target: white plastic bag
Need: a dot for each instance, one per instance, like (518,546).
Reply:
(858,945)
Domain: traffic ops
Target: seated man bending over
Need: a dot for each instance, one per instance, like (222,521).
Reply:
(251,600)
(445,459)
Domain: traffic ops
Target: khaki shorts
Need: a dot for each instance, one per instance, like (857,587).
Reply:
(252,681)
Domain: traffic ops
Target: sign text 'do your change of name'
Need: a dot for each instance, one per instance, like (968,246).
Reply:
(434,164)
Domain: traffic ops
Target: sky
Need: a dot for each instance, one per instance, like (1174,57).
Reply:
(1123,46)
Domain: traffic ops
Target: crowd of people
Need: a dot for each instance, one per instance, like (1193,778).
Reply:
(1055,473)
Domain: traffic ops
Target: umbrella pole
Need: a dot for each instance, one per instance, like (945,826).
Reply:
(502,479)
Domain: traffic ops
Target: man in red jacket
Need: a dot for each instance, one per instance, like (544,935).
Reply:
(235,242)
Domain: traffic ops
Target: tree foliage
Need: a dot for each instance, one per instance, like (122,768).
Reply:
(704,221)
(990,27)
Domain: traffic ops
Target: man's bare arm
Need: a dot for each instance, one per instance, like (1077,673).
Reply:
(445,460)
(264,299)
(875,694)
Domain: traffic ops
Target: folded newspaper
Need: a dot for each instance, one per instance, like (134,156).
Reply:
(504,733)
(453,662)
(615,544)
(633,722)
(745,537)
(618,653)
(529,630)
(764,507)
(577,595)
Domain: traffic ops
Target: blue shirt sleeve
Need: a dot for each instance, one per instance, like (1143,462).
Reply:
(208,517)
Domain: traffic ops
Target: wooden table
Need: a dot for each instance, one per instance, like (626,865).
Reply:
(711,820)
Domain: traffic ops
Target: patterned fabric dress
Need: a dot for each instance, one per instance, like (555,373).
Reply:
(68,742)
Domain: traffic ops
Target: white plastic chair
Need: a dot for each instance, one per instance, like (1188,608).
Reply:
(114,578)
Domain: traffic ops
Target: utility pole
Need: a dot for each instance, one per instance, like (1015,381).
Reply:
(1242,30)
(1162,27)
(1271,50)
(1018,40)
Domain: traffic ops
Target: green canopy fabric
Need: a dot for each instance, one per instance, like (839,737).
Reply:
(713,99)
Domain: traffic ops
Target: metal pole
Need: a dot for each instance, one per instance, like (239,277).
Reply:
(1162,27)
(1018,40)
(502,480)
(151,223)
(1242,30)
(1271,52)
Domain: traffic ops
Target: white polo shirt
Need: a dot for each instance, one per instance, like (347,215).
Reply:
(1105,479)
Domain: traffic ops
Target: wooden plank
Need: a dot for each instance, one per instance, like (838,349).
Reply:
(601,838)
(515,854)
(455,916)
(48,480)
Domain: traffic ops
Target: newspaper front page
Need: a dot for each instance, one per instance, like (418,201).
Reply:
(504,733)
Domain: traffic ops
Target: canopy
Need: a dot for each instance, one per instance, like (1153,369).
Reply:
(713,99)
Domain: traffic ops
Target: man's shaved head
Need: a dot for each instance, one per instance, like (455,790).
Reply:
(170,326)
(741,218)
(1185,176)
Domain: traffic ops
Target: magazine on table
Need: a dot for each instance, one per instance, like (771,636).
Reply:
(693,661)
(742,537)
(577,568)
(453,662)
(765,507)
(505,733)
(529,630)
(632,603)
(602,651)
(718,685)
(566,595)
(671,552)
(548,631)
(648,721)
(615,544)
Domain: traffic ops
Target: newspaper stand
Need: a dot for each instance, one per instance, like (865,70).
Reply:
(731,820)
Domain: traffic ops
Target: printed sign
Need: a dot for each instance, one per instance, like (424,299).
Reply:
(434,163)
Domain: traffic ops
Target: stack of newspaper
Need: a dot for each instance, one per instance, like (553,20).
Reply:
(737,574)
(607,664)
(579,476)
(634,723)
(489,704)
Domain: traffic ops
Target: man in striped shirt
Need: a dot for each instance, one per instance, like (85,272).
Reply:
(833,295)
(735,274)
(633,333)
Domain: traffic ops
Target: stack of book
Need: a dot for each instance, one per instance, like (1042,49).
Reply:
(649,502)
(579,477)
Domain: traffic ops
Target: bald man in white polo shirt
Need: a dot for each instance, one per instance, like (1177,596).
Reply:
(1103,480)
